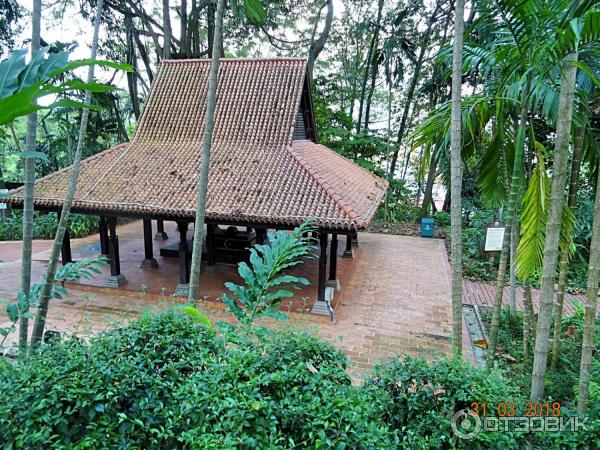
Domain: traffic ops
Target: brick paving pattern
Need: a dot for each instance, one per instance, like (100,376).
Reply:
(395,300)
(482,294)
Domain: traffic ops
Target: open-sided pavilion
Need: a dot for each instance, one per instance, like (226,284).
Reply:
(267,170)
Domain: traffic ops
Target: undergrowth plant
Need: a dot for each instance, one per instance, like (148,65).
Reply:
(85,268)
(266,277)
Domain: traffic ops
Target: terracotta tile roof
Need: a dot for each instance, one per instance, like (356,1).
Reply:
(257,174)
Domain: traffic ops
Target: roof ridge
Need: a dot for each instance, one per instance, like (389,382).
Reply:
(207,60)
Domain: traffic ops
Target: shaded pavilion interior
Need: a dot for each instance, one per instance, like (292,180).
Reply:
(267,172)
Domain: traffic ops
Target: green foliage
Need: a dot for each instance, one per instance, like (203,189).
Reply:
(85,268)
(23,82)
(262,293)
(167,382)
(45,225)
(419,399)
(534,217)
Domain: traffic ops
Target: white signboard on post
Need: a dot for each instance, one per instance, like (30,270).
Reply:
(3,192)
(494,239)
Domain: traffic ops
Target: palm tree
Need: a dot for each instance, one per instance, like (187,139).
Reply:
(40,320)
(564,254)
(587,346)
(203,179)
(456,176)
(28,195)
(551,245)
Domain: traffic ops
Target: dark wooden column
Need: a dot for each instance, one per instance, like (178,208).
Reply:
(149,260)
(323,303)
(355,238)
(210,244)
(116,278)
(261,234)
(65,249)
(160,231)
(348,253)
(333,281)
(184,266)
(322,266)
(103,227)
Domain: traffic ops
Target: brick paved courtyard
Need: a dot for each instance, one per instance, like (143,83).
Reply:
(395,298)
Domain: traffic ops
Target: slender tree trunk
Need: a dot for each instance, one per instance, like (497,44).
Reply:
(370,68)
(456,177)
(42,311)
(203,180)
(317,46)
(514,244)
(527,317)
(561,152)
(210,22)
(411,92)
(167,30)
(185,50)
(28,195)
(510,216)
(431,173)
(587,346)
(564,254)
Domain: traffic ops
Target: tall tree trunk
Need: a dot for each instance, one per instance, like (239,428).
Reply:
(527,317)
(28,195)
(411,92)
(514,244)
(210,22)
(203,180)
(456,177)
(510,217)
(564,254)
(431,174)
(317,46)
(185,50)
(561,152)
(42,311)
(167,30)
(131,76)
(587,346)
(370,68)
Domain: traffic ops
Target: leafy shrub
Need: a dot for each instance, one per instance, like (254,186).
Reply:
(420,398)
(265,277)
(45,225)
(442,218)
(165,382)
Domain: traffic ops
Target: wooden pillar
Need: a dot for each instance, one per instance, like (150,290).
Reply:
(333,281)
(261,234)
(103,236)
(116,278)
(355,238)
(184,266)
(324,296)
(322,266)
(210,244)
(149,261)
(160,231)
(348,253)
(65,249)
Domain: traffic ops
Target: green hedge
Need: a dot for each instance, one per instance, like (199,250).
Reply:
(45,225)
(165,382)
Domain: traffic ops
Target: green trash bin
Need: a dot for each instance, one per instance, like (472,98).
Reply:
(427,227)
